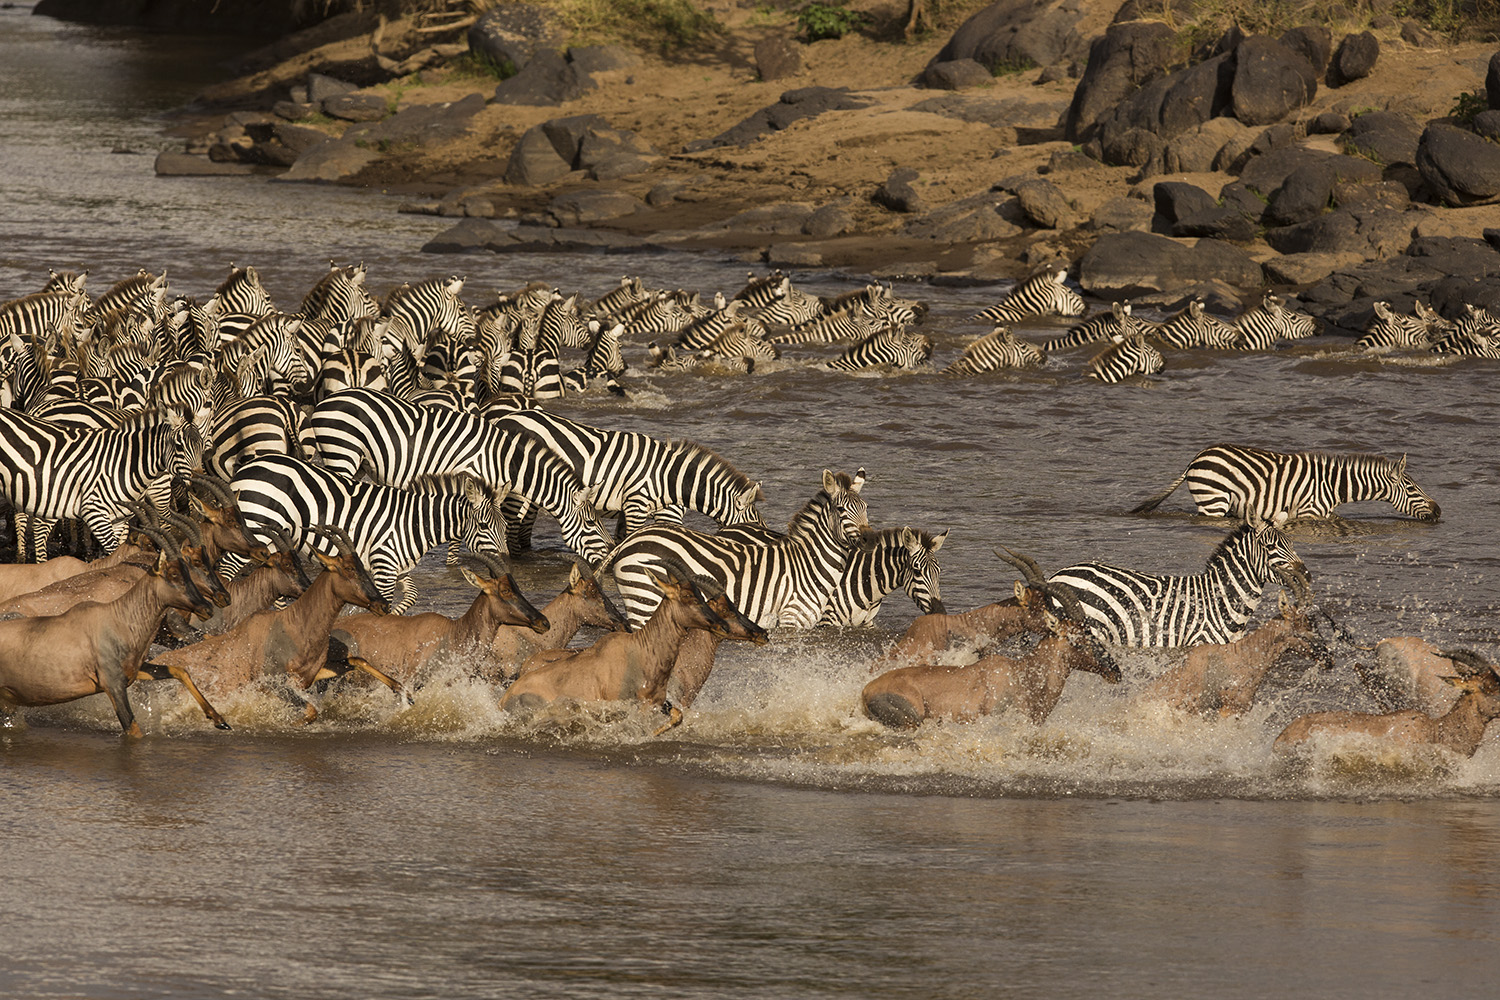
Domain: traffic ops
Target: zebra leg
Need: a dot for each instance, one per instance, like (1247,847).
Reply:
(401,593)
(520,518)
(102,523)
(41,531)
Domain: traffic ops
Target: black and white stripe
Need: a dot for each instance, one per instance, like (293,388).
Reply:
(1262,327)
(1128,355)
(882,562)
(1144,610)
(1230,480)
(1040,295)
(896,348)
(1195,327)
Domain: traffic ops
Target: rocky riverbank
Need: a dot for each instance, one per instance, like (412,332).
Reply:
(1347,166)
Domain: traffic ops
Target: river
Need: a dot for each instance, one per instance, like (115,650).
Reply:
(778,843)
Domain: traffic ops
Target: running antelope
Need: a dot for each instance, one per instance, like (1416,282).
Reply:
(580,603)
(904,697)
(1460,730)
(96,647)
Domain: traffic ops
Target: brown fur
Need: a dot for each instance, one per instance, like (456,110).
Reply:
(929,635)
(581,603)
(1460,729)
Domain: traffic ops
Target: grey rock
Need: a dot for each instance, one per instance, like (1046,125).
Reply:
(331,160)
(534,161)
(1327,123)
(1136,147)
(794,105)
(508,35)
(1492,81)
(828,221)
(1415,34)
(297,93)
(1314,42)
(1460,167)
(171,163)
(1121,215)
(546,80)
(1386,137)
(321,87)
(297,138)
(566,134)
(897,193)
(1119,265)
(978,218)
(600,144)
(423,123)
(357,106)
(590,61)
(666,193)
(1365,194)
(783,219)
(1243,199)
(1270,81)
(1369,233)
(1198,149)
(777,57)
(1218,222)
(1303,195)
(1301,269)
(1487,125)
(1044,204)
(623,165)
(956,74)
(792,255)
(581,208)
(1354,60)
(293,110)
(1175,200)
(1017,33)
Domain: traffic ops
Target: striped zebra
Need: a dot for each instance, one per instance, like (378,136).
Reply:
(895,348)
(664,357)
(245,428)
(47,318)
(794,309)
(1473,344)
(1141,610)
(284,363)
(764,290)
(786,582)
(417,311)
(1261,327)
(1228,480)
(531,368)
(66,281)
(602,362)
(1128,355)
(1040,295)
(641,477)
(882,562)
(1195,327)
(1000,348)
(144,291)
(704,330)
(340,296)
(743,343)
(628,292)
(52,471)
(1106,324)
(391,527)
(661,314)
(1389,328)
(394,441)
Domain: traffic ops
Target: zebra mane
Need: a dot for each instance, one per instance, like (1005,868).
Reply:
(882,536)
(439,483)
(237,276)
(741,481)
(1230,541)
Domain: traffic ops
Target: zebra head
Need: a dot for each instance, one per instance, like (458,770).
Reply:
(1271,550)
(922,578)
(847,506)
(1405,495)
(484,527)
(583,529)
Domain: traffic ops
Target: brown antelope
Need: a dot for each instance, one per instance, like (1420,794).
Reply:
(279,575)
(1410,673)
(293,640)
(96,646)
(1460,729)
(929,635)
(581,603)
(403,645)
(1226,675)
(903,697)
(624,666)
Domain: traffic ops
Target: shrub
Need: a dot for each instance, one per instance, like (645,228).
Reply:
(827,20)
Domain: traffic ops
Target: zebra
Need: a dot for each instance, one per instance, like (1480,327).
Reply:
(895,347)
(1194,327)
(664,313)
(52,471)
(744,344)
(786,582)
(339,296)
(1260,328)
(531,367)
(246,428)
(1040,295)
(284,360)
(880,563)
(1000,348)
(394,441)
(145,291)
(602,362)
(664,357)
(1145,611)
(628,292)
(642,477)
(763,291)
(1389,328)
(48,318)
(416,311)
(704,330)
(391,528)
(241,294)
(1128,355)
(1228,480)
(1106,324)
(1473,344)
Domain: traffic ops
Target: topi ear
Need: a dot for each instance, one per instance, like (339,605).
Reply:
(473,578)
(1020,589)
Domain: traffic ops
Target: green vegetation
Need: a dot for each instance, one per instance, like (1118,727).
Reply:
(827,20)
(664,25)
(477,66)
(1012,66)
(1467,105)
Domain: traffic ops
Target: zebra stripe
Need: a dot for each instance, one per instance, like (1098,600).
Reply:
(886,560)
(1128,355)
(1390,329)
(611,303)
(241,292)
(1041,295)
(1194,327)
(47,318)
(395,441)
(1260,328)
(340,296)
(999,348)
(786,582)
(1107,324)
(246,428)
(416,311)
(896,348)
(391,528)
(1229,480)
(1138,609)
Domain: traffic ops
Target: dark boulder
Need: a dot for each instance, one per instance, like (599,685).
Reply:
(1307,191)
(1270,81)
(1176,200)
(794,105)
(897,193)
(592,61)
(1385,137)
(828,221)
(1219,222)
(983,217)
(1459,167)
(1127,264)
(1169,106)
(357,106)
(1371,233)
(1492,81)
(547,79)
(1314,42)
(508,35)
(582,208)
(1354,60)
(1327,123)
(320,87)
(1120,61)
(535,161)
(1017,33)
(957,74)
(1487,125)
(566,134)
(1044,204)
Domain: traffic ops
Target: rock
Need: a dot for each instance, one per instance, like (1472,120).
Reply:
(1120,265)
(1136,147)
(622,165)
(782,219)
(1176,200)
(297,138)
(978,218)
(666,193)
(1126,57)
(897,194)
(547,79)
(792,255)
(331,160)
(828,221)
(1270,81)
(508,35)
(482,234)
(321,87)
(1198,149)
(1385,137)
(1219,222)
(1044,204)
(1370,233)
(293,110)
(357,106)
(1303,269)
(1270,140)
(582,208)
(170,163)
(1377,194)
(1487,124)
(1167,107)
(1492,81)
(957,74)
(794,105)
(1121,215)
(1017,33)
(534,160)
(1327,123)
(1414,34)
(566,134)
(425,124)
(1307,191)
(777,57)
(1354,59)
(602,145)
(1459,167)
(593,61)
(1314,42)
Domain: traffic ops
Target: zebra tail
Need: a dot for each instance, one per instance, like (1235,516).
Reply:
(1151,504)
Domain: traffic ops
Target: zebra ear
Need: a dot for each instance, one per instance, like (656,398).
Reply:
(1401,465)
(830,482)
(907,538)
(859,480)
(1279,520)
(747,497)
(939,539)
